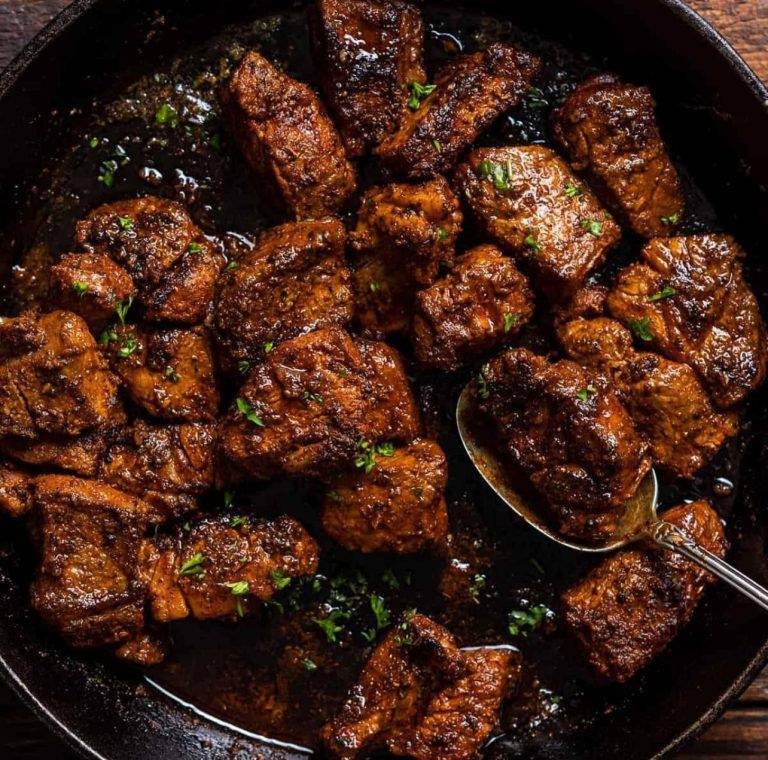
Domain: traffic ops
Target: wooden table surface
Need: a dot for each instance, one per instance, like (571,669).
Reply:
(743,730)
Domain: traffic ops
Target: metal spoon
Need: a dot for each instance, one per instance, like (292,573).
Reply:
(638,520)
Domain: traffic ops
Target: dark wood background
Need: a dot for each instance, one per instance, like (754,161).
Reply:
(743,730)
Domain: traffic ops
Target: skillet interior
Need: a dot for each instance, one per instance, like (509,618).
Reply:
(714,122)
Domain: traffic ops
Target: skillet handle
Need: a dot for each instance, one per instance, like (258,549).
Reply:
(671,537)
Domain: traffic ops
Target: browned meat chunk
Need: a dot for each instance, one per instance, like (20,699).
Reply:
(404,234)
(608,130)
(566,429)
(314,401)
(214,569)
(294,281)
(91,285)
(173,266)
(469,93)
(689,300)
(479,306)
(88,535)
(171,373)
(395,502)
(667,403)
(528,201)
(369,53)
(460,718)
(287,138)
(52,377)
(167,465)
(146,648)
(634,603)
(15,491)
(413,661)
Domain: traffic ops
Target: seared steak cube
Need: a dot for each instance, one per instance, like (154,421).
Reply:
(631,606)
(530,203)
(394,502)
(369,52)
(15,491)
(294,281)
(480,305)
(469,93)
(287,138)
(608,130)
(314,402)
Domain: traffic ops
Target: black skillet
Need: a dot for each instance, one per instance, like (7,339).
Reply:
(715,117)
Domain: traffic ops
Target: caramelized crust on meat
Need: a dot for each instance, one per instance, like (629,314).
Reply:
(470,92)
(666,400)
(294,281)
(287,138)
(566,429)
(146,648)
(88,536)
(460,718)
(215,569)
(398,506)
(634,603)
(530,203)
(368,53)
(167,465)
(90,285)
(480,305)
(15,491)
(172,264)
(689,300)
(52,377)
(410,664)
(306,409)
(608,130)
(170,373)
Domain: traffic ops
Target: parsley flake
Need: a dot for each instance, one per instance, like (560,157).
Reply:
(437,145)
(268,346)
(523,621)
(308,664)
(243,366)
(573,191)
(81,288)
(593,227)
(665,292)
(330,624)
(167,115)
(232,265)
(671,219)
(238,521)
(510,321)
(442,234)
(641,328)
(194,248)
(532,243)
(248,412)
(419,93)
(171,374)
(585,393)
(193,566)
(128,344)
(498,174)
(122,307)
(279,580)
(126,223)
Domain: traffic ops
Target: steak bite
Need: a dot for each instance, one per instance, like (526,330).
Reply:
(470,91)
(169,466)
(170,373)
(91,285)
(688,299)
(412,662)
(88,537)
(530,203)
(631,606)
(460,718)
(214,569)
(368,52)
(314,401)
(666,400)
(479,306)
(566,429)
(52,377)
(172,264)
(295,280)
(394,502)
(608,130)
(15,491)
(404,235)
(287,138)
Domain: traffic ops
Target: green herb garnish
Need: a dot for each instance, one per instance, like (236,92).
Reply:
(523,621)
(510,321)
(268,346)
(125,222)
(121,309)
(500,175)
(573,191)
(194,248)
(81,288)
(419,93)
(641,328)
(482,384)
(243,366)
(665,292)
(585,393)
(171,374)
(479,582)
(671,219)
(193,566)
(329,625)
(279,579)
(592,226)
(248,412)
(532,243)
(167,115)
(308,664)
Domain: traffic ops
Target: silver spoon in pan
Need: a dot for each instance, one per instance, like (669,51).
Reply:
(639,518)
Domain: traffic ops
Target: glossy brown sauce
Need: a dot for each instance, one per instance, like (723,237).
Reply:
(255,674)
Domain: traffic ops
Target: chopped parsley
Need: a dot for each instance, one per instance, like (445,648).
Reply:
(232,265)
(238,521)
(404,635)
(374,286)
(523,621)
(499,174)
(536,98)
(268,346)
(419,93)
(479,582)
(94,142)
(437,145)
(167,115)
(334,496)
(380,611)
(121,309)
(248,412)
(81,288)
(482,384)
(308,664)
(330,624)
(510,321)
(641,328)
(125,222)
(128,344)
(665,292)
(532,243)
(107,172)
(194,248)
(239,589)
(573,191)
(311,398)
(585,393)
(279,580)
(671,219)
(243,366)
(442,234)
(367,453)
(592,226)
(193,566)
(171,374)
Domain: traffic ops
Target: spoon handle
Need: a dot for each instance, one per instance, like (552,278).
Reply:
(671,537)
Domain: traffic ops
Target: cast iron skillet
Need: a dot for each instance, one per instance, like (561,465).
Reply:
(715,113)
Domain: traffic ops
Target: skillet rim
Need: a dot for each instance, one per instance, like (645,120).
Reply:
(713,39)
